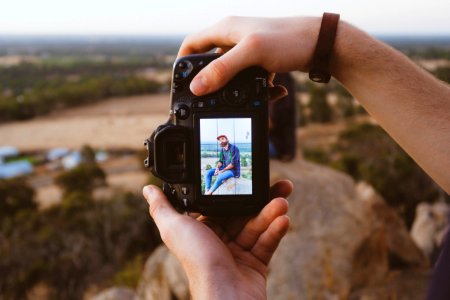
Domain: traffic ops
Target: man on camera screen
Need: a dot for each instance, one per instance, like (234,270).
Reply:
(228,166)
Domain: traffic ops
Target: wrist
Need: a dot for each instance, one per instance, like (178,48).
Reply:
(352,54)
(212,285)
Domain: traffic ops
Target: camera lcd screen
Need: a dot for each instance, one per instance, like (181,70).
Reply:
(226,156)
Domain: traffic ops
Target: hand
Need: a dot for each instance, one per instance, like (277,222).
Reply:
(216,172)
(277,44)
(224,258)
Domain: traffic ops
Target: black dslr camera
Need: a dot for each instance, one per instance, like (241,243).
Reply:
(212,153)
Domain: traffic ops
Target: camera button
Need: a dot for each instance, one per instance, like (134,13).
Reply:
(176,87)
(184,190)
(182,65)
(212,102)
(256,103)
(182,112)
(261,84)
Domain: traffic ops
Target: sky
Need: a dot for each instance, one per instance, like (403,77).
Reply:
(180,17)
(238,130)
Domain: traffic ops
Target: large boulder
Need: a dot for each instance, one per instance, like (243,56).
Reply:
(163,278)
(116,293)
(343,238)
(399,285)
(430,227)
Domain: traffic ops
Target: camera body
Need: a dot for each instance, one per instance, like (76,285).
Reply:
(212,154)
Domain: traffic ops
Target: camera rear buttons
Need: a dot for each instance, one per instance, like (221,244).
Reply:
(176,87)
(235,96)
(184,190)
(205,103)
(182,112)
(182,70)
(261,84)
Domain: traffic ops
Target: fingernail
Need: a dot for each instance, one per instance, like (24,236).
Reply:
(147,191)
(199,86)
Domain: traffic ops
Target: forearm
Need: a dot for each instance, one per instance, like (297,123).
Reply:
(410,104)
(229,167)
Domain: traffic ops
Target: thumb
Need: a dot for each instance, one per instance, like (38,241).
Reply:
(160,210)
(217,73)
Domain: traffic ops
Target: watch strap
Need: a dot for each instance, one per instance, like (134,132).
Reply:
(320,66)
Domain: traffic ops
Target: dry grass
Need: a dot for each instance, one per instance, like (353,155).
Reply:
(115,123)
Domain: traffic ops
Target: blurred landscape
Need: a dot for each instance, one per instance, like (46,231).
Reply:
(73,115)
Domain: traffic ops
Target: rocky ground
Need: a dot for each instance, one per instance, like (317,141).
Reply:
(344,243)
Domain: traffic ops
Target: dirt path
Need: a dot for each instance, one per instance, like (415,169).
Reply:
(115,123)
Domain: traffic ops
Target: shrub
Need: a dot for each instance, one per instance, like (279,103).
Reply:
(15,196)
(320,109)
(83,178)
(366,152)
(72,246)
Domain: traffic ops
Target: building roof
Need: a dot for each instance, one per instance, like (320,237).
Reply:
(8,151)
(15,169)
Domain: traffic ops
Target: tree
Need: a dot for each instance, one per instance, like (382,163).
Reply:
(244,162)
(83,178)
(15,196)
(320,109)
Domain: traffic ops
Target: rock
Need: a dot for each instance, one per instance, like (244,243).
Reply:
(233,186)
(399,285)
(341,236)
(116,293)
(429,227)
(163,278)
(342,239)
(402,249)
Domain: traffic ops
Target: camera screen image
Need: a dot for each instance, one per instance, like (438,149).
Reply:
(226,156)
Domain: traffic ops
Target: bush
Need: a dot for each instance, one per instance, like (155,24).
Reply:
(320,109)
(75,245)
(83,178)
(316,155)
(15,196)
(366,152)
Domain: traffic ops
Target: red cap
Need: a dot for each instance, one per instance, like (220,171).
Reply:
(222,135)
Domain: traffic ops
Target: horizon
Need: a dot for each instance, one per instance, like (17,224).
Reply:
(134,17)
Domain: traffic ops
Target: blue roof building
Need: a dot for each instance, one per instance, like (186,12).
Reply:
(15,169)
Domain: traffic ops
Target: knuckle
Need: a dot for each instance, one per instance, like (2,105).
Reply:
(255,41)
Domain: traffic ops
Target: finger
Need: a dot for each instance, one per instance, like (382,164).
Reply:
(160,210)
(271,78)
(256,226)
(233,227)
(281,189)
(277,92)
(270,239)
(220,34)
(217,73)
(222,50)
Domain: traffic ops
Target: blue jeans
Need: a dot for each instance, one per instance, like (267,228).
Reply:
(219,180)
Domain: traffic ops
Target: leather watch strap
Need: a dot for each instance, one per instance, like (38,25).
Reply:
(320,66)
